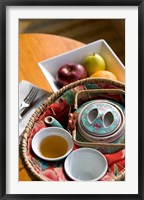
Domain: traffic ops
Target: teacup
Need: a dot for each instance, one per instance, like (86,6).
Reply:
(86,164)
(52,143)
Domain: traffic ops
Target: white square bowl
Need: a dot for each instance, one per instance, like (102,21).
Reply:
(50,66)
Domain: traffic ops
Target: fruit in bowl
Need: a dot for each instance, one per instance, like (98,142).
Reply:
(93,63)
(69,73)
(104,74)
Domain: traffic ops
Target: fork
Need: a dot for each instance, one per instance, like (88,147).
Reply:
(29,98)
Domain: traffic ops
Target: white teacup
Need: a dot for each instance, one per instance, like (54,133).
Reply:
(49,142)
(86,164)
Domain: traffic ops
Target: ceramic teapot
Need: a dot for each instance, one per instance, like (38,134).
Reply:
(99,123)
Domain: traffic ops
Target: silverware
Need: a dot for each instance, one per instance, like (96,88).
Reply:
(26,102)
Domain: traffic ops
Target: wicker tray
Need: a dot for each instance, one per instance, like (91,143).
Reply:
(31,164)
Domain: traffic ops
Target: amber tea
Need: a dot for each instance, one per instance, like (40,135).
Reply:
(53,146)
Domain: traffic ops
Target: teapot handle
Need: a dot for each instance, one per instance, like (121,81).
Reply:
(96,91)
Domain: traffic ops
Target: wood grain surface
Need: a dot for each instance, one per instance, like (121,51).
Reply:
(83,30)
(34,48)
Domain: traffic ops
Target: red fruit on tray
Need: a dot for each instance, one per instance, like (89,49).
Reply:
(69,73)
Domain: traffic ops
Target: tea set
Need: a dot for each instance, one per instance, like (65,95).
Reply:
(98,124)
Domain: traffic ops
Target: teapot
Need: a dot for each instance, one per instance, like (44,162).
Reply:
(99,123)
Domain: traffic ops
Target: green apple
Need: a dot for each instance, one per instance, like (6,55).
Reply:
(93,63)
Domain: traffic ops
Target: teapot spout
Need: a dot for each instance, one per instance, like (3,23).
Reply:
(51,121)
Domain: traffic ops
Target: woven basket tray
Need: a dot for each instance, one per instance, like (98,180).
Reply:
(32,163)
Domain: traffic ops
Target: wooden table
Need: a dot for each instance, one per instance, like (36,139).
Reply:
(34,48)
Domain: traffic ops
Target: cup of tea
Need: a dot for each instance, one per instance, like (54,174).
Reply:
(86,164)
(52,143)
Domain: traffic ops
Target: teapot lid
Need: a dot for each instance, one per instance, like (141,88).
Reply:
(100,118)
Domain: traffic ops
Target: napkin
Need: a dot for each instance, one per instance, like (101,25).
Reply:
(24,88)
